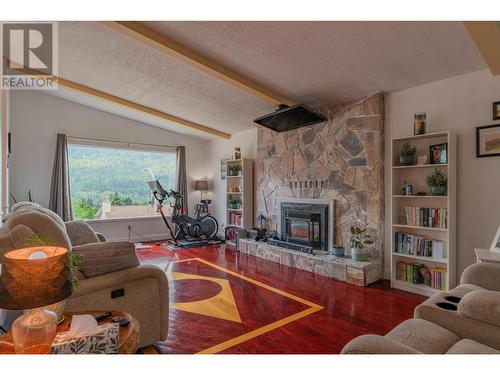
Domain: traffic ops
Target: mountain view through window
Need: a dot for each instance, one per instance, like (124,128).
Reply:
(112,183)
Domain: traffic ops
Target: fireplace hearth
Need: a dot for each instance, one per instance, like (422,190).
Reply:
(306,222)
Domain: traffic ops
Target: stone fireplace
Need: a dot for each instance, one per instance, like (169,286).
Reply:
(339,160)
(306,221)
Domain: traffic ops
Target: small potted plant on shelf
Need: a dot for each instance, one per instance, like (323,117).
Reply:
(438,182)
(235,204)
(359,240)
(407,155)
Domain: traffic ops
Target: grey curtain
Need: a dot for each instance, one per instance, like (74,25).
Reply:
(181,178)
(60,198)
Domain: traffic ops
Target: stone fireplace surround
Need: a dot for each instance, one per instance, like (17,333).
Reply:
(339,160)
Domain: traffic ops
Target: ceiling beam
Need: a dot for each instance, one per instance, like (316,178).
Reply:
(146,35)
(101,95)
(486,36)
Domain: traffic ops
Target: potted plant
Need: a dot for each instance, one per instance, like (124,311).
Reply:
(338,248)
(438,182)
(359,240)
(407,155)
(235,204)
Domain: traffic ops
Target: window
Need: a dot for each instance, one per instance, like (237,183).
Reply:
(110,182)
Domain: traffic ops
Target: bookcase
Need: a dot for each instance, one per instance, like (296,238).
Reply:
(239,188)
(423,219)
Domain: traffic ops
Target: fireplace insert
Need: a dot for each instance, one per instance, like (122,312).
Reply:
(305,224)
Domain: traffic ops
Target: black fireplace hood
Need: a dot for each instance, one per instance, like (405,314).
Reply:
(288,118)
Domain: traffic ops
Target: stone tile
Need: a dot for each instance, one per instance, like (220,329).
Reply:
(252,248)
(357,162)
(287,259)
(370,123)
(311,153)
(351,143)
(304,263)
(320,270)
(308,136)
(335,270)
(242,246)
(355,276)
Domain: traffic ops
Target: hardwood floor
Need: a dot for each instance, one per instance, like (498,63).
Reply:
(278,309)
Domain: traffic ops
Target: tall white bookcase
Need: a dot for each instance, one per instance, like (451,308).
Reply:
(416,176)
(244,184)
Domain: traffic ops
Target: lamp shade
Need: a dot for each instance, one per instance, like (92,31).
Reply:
(201,185)
(34,277)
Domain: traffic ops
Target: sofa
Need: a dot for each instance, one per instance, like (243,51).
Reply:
(465,320)
(110,275)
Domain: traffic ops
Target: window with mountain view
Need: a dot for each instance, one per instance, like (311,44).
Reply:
(110,182)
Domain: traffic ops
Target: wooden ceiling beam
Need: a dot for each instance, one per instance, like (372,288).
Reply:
(486,36)
(104,96)
(148,36)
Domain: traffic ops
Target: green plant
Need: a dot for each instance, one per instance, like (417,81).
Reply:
(358,238)
(407,150)
(73,258)
(235,201)
(437,179)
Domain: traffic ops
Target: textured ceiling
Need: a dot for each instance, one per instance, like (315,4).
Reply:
(311,62)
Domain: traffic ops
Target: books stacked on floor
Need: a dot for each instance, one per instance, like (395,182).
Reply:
(438,278)
(426,217)
(415,244)
(235,218)
(409,272)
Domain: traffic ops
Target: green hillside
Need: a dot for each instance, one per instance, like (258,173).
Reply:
(97,174)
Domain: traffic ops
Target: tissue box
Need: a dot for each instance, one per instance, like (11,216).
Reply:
(105,341)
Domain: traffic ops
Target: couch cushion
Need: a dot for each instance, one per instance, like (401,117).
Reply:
(466,346)
(80,233)
(462,289)
(106,257)
(483,305)
(424,336)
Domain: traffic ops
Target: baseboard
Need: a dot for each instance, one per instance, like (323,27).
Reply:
(144,238)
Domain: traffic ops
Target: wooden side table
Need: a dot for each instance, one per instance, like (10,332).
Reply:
(129,336)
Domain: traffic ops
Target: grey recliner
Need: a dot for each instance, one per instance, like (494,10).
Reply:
(106,267)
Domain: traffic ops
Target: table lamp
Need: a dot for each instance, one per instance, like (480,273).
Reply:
(201,185)
(32,278)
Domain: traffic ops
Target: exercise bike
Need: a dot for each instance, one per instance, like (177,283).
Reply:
(189,232)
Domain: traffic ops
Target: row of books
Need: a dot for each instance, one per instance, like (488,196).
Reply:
(415,244)
(438,278)
(426,217)
(235,218)
(409,272)
(416,273)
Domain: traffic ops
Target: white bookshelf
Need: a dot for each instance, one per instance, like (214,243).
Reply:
(245,183)
(416,176)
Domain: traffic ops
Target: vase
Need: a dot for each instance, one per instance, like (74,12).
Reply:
(359,255)
(438,190)
(338,251)
(407,159)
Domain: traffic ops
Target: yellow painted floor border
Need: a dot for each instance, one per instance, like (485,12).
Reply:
(264,329)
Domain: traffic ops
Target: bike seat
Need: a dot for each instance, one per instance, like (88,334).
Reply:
(206,201)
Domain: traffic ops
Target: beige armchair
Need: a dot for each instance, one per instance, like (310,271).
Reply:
(111,277)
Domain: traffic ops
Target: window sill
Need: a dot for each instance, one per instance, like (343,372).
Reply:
(118,219)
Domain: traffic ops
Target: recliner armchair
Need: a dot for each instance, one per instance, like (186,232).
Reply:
(98,280)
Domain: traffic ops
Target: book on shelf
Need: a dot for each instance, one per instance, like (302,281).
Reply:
(235,218)
(438,278)
(426,217)
(416,244)
(412,273)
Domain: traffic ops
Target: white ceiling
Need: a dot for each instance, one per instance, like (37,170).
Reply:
(311,62)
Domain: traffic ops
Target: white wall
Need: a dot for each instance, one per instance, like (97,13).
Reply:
(219,149)
(458,104)
(36,118)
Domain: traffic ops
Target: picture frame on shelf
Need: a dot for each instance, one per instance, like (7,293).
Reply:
(438,153)
(495,244)
(488,141)
(496,111)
